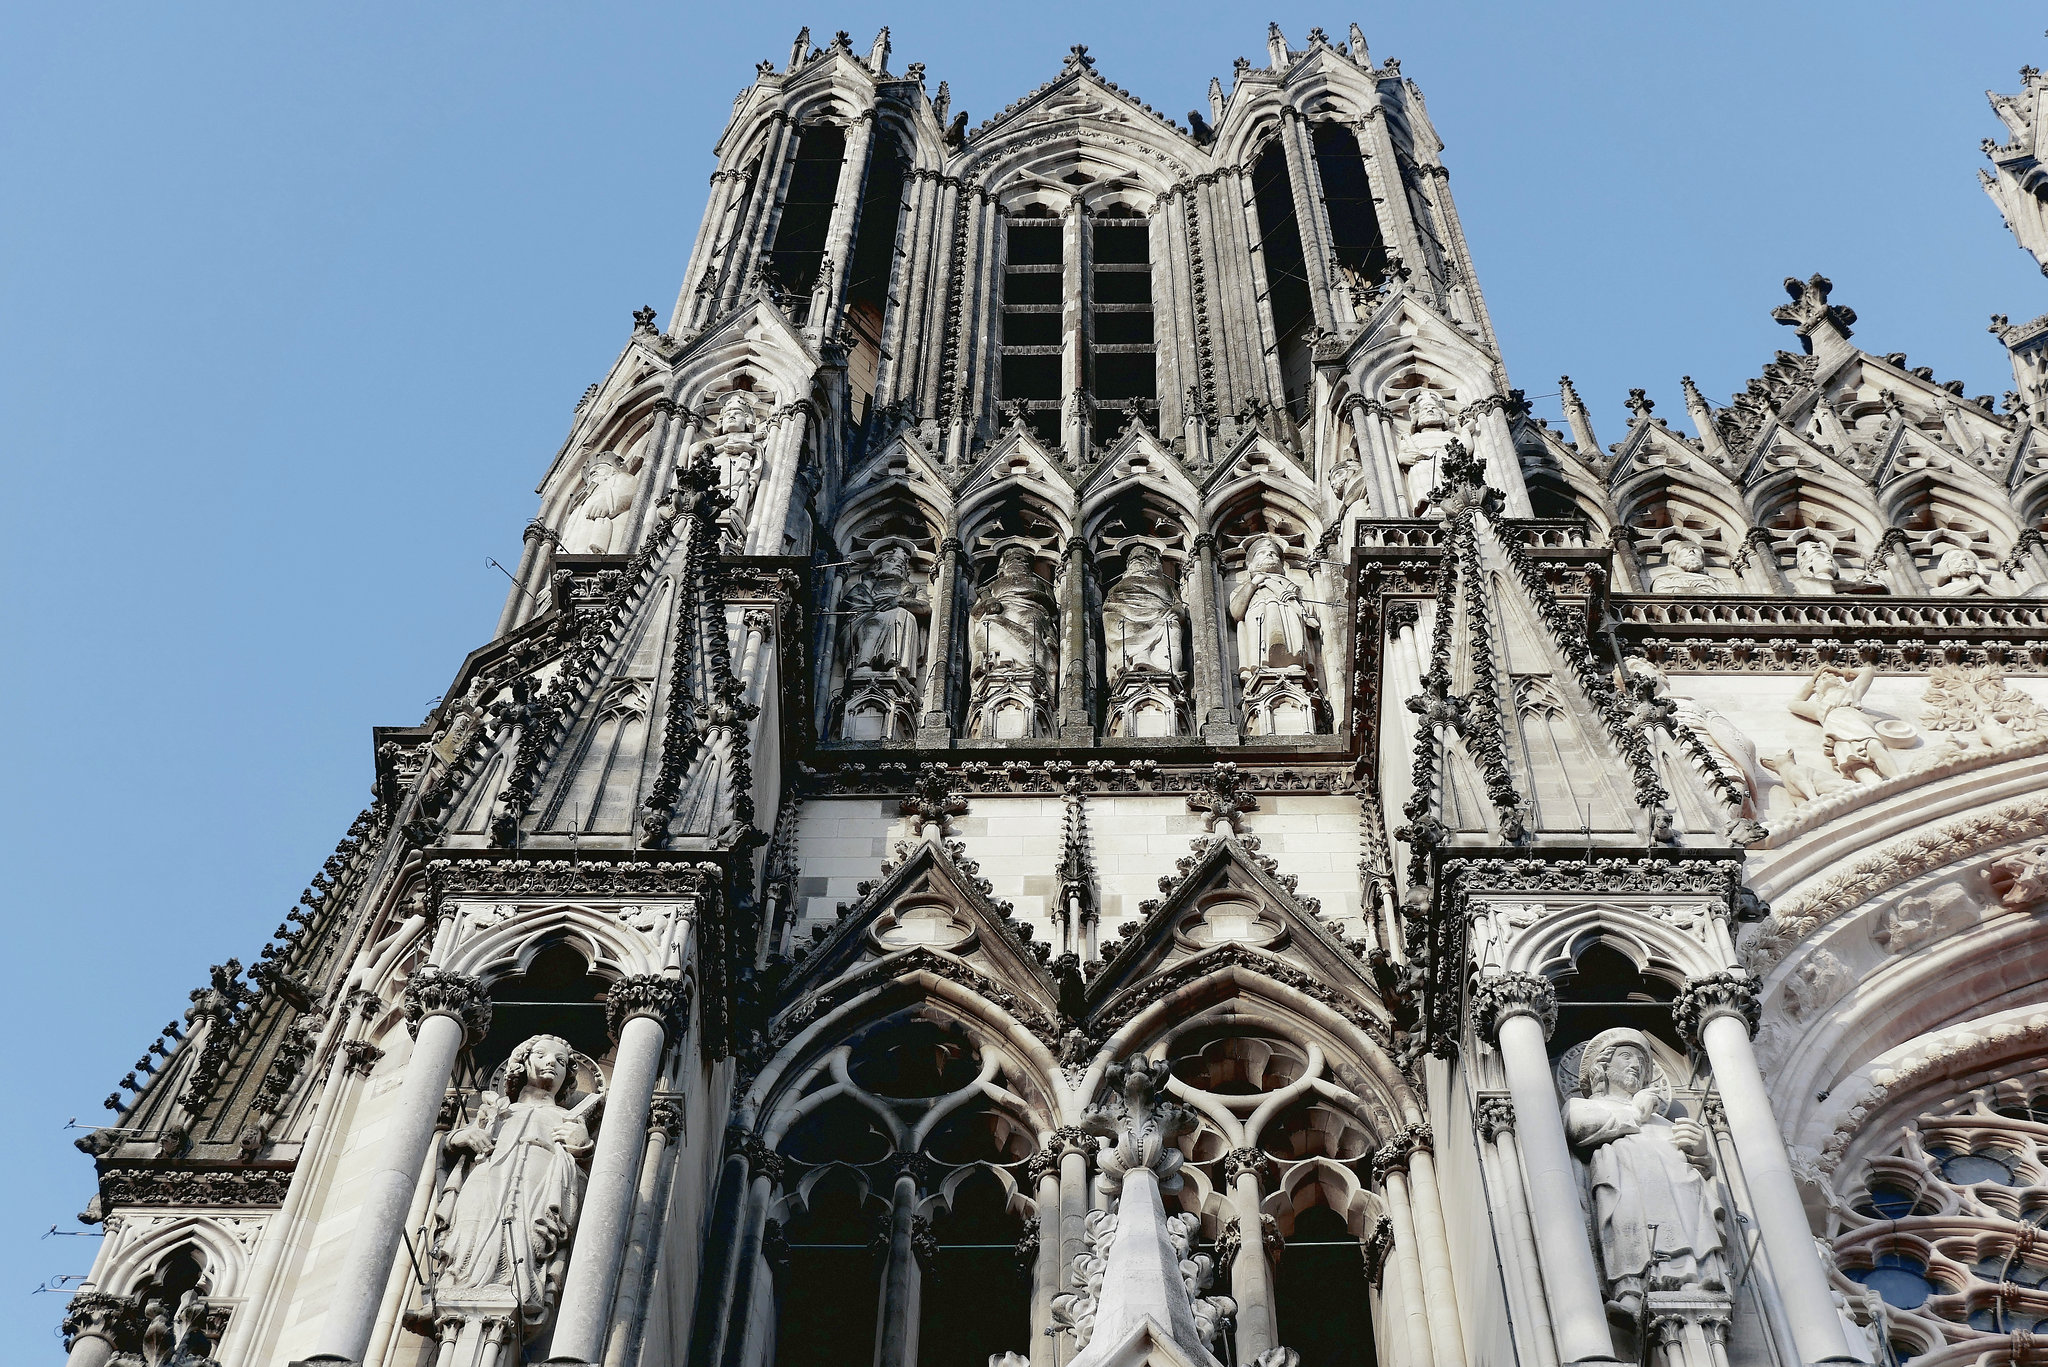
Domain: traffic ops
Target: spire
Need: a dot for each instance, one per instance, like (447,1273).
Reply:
(1276,47)
(1703,421)
(1151,1278)
(1215,100)
(1358,50)
(800,47)
(878,56)
(1581,424)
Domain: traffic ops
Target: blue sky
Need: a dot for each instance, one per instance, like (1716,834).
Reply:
(295,303)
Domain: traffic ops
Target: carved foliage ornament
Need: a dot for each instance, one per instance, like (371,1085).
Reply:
(442,992)
(1729,992)
(1499,996)
(647,994)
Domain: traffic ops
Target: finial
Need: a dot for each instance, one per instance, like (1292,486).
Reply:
(643,318)
(1811,313)
(1640,404)
(1077,56)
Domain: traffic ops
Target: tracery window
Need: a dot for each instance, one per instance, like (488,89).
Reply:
(1944,1229)
(1122,355)
(807,210)
(1288,302)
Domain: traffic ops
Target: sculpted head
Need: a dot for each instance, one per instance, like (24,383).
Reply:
(1014,560)
(1142,559)
(1429,411)
(1688,556)
(736,414)
(893,562)
(544,1061)
(1815,559)
(1616,1063)
(1958,562)
(1264,556)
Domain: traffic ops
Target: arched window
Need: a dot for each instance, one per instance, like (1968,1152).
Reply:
(1287,283)
(807,210)
(1319,1291)
(1355,237)
(976,1301)
(1033,308)
(830,1288)
(1122,357)
(1603,991)
(556,995)
(872,267)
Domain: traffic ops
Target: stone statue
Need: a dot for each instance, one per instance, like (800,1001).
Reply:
(1685,571)
(1143,622)
(1803,781)
(509,1207)
(1958,573)
(1273,621)
(1013,651)
(1653,1214)
(736,452)
(1814,571)
(1855,742)
(885,602)
(1013,618)
(597,523)
(1422,450)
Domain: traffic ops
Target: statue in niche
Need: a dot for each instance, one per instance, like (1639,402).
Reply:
(1276,630)
(1654,1216)
(1421,453)
(1685,571)
(597,523)
(882,653)
(1958,573)
(1013,649)
(1862,748)
(885,601)
(1814,571)
(1274,621)
(1144,633)
(504,1218)
(736,452)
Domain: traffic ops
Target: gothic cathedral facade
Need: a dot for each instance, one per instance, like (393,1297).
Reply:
(1071,779)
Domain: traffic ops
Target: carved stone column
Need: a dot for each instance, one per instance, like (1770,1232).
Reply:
(935,727)
(1075,723)
(1050,1275)
(1309,218)
(1212,695)
(1407,1264)
(642,1012)
(1718,1012)
(767,1176)
(1515,1013)
(896,1338)
(664,1126)
(1251,1276)
(1434,1243)
(853,179)
(444,1011)
(95,1324)
(1494,1119)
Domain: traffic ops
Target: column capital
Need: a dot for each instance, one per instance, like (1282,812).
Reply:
(1494,1116)
(444,992)
(1238,1162)
(1205,543)
(98,1314)
(1730,992)
(762,1161)
(1498,997)
(666,1116)
(661,999)
(1398,1149)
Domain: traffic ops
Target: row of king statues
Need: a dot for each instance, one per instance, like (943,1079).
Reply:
(1011,644)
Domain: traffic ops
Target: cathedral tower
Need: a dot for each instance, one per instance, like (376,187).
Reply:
(1069,777)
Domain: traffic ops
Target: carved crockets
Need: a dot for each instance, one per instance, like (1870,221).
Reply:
(1139,1122)
(1013,652)
(501,1228)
